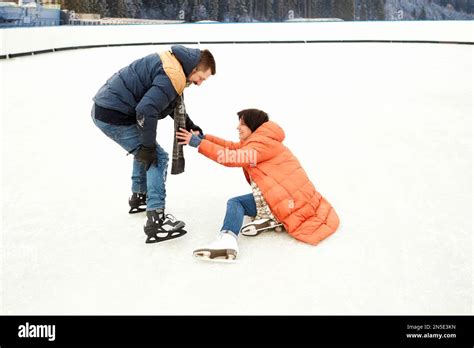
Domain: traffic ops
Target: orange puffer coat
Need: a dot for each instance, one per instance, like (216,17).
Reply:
(291,196)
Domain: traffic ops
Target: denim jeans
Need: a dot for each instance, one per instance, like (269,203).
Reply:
(237,208)
(152,181)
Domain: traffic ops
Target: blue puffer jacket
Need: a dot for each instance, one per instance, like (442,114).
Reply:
(142,90)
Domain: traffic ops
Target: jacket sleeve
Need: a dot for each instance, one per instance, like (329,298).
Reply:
(191,126)
(155,100)
(245,156)
(225,143)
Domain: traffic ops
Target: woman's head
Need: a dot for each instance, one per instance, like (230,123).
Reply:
(249,121)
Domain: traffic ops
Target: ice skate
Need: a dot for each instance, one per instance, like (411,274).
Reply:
(137,203)
(224,249)
(160,227)
(258,226)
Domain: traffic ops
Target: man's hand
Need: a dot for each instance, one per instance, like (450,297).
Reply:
(147,156)
(184,136)
(188,138)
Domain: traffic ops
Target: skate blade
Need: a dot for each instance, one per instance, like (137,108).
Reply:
(136,210)
(221,256)
(179,226)
(156,238)
(251,231)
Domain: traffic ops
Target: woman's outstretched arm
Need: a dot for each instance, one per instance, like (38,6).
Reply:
(234,155)
(222,142)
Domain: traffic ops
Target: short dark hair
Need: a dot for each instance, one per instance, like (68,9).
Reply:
(253,118)
(207,62)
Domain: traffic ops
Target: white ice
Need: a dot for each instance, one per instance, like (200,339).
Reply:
(383,130)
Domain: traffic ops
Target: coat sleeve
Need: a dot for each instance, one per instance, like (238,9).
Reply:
(225,143)
(155,100)
(190,126)
(244,156)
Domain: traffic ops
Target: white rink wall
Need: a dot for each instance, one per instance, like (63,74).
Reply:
(20,40)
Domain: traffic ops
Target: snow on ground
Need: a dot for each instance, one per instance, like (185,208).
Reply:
(383,130)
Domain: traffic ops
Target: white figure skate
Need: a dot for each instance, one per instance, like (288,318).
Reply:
(224,249)
(258,226)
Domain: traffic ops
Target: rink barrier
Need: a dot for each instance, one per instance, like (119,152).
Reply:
(51,50)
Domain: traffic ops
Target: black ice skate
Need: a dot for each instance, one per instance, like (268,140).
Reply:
(137,203)
(258,226)
(160,227)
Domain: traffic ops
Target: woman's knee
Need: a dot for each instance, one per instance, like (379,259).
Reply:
(234,201)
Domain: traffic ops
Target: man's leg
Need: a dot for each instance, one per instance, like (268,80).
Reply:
(139,184)
(160,226)
(156,181)
(128,138)
(237,208)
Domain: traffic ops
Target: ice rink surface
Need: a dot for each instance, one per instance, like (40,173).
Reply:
(383,130)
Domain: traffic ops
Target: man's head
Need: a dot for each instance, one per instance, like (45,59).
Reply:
(205,68)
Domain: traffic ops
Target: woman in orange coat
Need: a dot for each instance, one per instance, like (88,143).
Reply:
(282,194)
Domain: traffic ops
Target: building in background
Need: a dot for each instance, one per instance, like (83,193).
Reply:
(51,3)
(29,13)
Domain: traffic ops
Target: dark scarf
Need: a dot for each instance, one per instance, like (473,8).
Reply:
(177,164)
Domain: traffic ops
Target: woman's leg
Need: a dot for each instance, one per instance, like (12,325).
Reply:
(226,244)
(237,208)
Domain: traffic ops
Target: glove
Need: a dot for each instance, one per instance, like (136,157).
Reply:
(146,155)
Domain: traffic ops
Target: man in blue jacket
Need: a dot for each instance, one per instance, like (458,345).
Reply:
(127,109)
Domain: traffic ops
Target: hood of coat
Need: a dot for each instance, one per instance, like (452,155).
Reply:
(270,130)
(188,57)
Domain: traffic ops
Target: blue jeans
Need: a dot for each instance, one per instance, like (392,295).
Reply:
(237,208)
(152,181)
